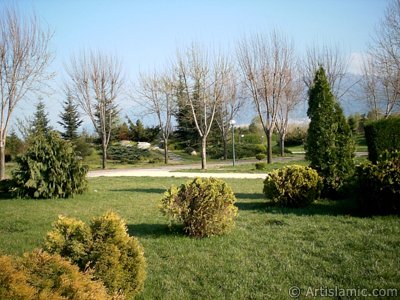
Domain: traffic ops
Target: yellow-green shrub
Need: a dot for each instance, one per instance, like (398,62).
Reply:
(204,206)
(293,186)
(40,275)
(103,246)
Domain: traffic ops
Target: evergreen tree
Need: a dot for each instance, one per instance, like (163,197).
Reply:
(70,120)
(40,122)
(329,146)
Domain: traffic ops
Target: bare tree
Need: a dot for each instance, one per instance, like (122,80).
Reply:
(203,81)
(227,110)
(24,58)
(381,70)
(336,64)
(157,95)
(266,63)
(95,83)
(292,96)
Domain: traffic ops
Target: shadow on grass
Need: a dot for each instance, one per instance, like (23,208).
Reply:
(154,230)
(148,191)
(252,196)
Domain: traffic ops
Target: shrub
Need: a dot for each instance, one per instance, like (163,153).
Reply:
(260,156)
(49,169)
(296,137)
(382,135)
(205,206)
(103,246)
(39,275)
(124,154)
(261,166)
(379,185)
(293,186)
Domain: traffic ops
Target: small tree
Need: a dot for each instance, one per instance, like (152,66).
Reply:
(40,121)
(70,120)
(329,147)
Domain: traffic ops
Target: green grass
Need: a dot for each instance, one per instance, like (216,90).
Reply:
(270,250)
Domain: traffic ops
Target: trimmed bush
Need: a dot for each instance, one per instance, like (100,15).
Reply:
(49,169)
(104,246)
(379,185)
(39,275)
(293,186)
(260,156)
(382,135)
(205,206)
(261,166)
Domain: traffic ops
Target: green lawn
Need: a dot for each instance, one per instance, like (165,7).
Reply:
(270,250)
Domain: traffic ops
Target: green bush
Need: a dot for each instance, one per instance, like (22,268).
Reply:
(39,275)
(382,135)
(260,156)
(296,137)
(261,166)
(103,246)
(205,206)
(49,169)
(293,186)
(379,184)
(124,154)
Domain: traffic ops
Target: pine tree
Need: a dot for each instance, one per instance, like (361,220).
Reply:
(70,120)
(329,146)
(40,122)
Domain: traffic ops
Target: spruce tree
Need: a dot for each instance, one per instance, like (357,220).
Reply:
(70,120)
(40,122)
(329,146)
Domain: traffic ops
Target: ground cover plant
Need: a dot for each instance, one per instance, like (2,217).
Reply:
(271,249)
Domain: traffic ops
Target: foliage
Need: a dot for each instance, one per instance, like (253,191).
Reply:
(127,154)
(329,147)
(70,120)
(139,133)
(15,146)
(260,156)
(39,275)
(205,206)
(261,165)
(82,146)
(40,122)
(379,184)
(293,186)
(295,137)
(382,135)
(49,169)
(103,246)
(355,123)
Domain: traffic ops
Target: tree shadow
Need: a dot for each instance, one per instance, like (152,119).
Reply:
(138,190)
(154,230)
(253,196)
(256,206)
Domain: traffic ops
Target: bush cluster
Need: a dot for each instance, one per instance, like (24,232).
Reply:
(40,275)
(129,155)
(296,137)
(204,206)
(105,247)
(49,169)
(382,135)
(379,184)
(293,186)
(261,166)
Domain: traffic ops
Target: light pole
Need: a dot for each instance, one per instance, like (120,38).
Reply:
(232,123)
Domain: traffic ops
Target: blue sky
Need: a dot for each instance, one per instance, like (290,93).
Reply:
(146,34)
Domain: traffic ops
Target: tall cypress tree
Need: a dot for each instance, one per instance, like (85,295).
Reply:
(70,120)
(329,146)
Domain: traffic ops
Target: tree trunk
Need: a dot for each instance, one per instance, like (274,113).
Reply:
(203,153)
(282,144)
(225,149)
(269,146)
(104,160)
(166,151)
(2,161)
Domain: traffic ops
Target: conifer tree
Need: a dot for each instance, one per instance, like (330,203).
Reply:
(70,120)
(40,122)
(329,146)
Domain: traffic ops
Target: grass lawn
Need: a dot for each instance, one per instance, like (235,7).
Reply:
(270,250)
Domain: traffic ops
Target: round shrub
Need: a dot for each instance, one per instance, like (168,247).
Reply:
(260,156)
(379,185)
(40,275)
(261,166)
(205,206)
(104,246)
(293,186)
(49,169)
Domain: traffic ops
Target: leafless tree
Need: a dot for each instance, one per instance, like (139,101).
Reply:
(24,58)
(203,81)
(336,64)
(292,96)
(232,102)
(157,96)
(95,82)
(266,63)
(381,70)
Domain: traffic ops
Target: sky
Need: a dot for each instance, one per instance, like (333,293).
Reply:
(145,35)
